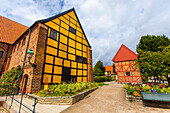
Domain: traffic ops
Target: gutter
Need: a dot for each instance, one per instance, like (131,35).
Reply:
(4,61)
(20,77)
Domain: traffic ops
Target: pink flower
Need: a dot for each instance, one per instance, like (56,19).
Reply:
(2,89)
(12,82)
(2,82)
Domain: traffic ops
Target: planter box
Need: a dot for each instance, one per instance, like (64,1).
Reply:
(156,99)
(132,98)
(63,100)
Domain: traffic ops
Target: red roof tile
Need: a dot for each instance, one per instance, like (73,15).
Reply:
(10,30)
(124,54)
(108,68)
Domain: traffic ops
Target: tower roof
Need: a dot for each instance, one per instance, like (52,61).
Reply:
(124,54)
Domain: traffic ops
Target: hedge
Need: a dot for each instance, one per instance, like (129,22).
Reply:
(102,79)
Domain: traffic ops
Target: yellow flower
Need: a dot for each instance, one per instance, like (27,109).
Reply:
(135,93)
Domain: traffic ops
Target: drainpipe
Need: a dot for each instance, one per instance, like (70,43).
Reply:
(20,77)
(4,61)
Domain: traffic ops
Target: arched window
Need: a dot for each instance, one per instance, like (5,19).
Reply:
(1,52)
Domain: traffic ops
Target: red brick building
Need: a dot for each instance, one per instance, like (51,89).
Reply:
(124,66)
(61,51)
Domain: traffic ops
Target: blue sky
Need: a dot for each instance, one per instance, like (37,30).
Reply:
(107,23)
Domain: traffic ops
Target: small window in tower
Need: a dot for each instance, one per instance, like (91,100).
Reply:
(127,73)
(72,30)
(53,34)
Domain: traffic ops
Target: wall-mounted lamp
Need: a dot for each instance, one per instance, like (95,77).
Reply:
(30,53)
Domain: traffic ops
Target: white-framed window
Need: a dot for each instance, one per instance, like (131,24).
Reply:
(128,74)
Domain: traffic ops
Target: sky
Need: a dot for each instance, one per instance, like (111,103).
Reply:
(107,23)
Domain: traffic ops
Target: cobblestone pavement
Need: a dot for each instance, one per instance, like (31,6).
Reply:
(110,99)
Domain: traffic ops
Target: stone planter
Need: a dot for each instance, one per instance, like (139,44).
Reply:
(63,100)
(132,98)
(156,99)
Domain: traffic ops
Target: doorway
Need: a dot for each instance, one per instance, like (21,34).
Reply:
(66,77)
(24,83)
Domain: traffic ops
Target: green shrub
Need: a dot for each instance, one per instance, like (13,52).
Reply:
(99,79)
(10,79)
(102,78)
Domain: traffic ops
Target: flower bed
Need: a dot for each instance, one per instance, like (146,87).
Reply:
(66,89)
(63,100)
(133,91)
(65,94)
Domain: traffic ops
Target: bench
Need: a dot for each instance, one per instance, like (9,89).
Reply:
(156,99)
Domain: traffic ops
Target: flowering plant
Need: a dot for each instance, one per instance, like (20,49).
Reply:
(150,88)
(67,89)
(10,79)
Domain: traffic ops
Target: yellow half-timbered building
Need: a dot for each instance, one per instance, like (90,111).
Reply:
(66,50)
(62,52)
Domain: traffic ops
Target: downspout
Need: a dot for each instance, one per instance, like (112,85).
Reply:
(4,61)
(24,61)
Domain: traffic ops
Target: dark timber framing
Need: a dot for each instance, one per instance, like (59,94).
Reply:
(58,47)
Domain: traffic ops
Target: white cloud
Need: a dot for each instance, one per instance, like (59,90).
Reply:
(107,23)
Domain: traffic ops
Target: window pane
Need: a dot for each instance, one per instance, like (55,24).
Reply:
(1,53)
(127,73)
(72,30)
(55,35)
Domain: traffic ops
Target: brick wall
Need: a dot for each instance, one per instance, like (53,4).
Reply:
(39,60)
(18,53)
(4,46)
(90,71)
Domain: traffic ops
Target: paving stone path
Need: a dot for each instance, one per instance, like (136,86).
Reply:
(110,99)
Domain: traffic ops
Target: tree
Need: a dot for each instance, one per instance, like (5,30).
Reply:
(114,68)
(99,69)
(152,43)
(153,55)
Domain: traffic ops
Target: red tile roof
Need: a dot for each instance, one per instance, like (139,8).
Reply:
(124,54)
(108,68)
(10,30)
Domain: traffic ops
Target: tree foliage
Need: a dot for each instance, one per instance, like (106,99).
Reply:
(152,43)
(10,78)
(99,69)
(154,55)
(114,68)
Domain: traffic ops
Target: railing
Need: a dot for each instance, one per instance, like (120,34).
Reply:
(12,92)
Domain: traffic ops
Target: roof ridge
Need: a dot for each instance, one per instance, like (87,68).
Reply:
(120,50)
(10,30)
(13,21)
